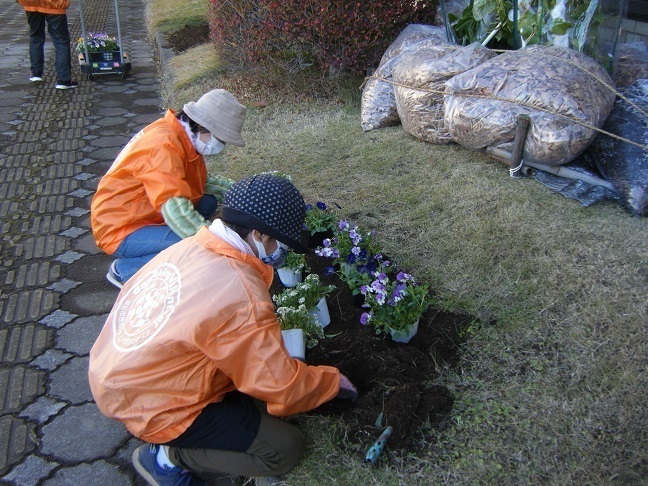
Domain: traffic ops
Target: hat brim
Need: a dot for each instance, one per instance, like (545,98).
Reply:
(234,216)
(213,127)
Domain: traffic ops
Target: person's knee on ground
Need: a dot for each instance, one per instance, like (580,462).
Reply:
(277,448)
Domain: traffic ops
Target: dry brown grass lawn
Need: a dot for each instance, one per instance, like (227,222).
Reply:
(552,385)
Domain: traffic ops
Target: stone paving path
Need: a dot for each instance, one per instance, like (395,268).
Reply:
(54,147)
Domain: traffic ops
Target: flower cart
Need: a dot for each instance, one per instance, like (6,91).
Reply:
(100,54)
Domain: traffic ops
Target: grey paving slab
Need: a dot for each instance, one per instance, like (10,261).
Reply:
(82,434)
(42,409)
(58,318)
(98,472)
(70,382)
(64,285)
(79,336)
(51,359)
(91,298)
(86,244)
(54,147)
(32,470)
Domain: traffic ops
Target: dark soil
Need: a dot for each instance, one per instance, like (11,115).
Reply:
(395,381)
(187,37)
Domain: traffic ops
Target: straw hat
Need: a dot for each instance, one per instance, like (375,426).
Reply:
(220,113)
(269,204)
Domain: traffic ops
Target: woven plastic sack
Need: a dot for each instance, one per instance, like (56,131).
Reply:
(560,82)
(419,76)
(378,105)
(624,164)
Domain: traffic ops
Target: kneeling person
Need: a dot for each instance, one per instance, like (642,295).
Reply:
(193,338)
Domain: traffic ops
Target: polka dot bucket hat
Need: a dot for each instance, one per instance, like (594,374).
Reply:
(269,204)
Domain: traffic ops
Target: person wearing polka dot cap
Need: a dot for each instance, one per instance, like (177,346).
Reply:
(193,344)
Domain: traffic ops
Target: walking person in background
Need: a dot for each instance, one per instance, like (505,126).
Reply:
(54,14)
(193,341)
(157,191)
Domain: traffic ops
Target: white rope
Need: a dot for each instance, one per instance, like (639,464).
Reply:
(512,170)
(517,102)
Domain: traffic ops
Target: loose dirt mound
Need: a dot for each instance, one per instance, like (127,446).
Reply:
(395,381)
(187,37)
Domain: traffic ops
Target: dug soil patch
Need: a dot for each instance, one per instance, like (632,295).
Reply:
(396,382)
(187,37)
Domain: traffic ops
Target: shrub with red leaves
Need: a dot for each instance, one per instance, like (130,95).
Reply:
(341,35)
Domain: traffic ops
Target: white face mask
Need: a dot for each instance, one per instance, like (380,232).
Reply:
(213,147)
(278,256)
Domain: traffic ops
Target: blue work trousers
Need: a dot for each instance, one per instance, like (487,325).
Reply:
(138,248)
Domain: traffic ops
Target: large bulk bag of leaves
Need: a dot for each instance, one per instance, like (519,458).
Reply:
(553,85)
(378,105)
(419,76)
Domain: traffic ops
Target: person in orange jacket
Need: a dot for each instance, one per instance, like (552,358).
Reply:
(158,191)
(193,339)
(54,14)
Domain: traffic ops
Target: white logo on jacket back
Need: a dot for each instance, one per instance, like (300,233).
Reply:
(144,311)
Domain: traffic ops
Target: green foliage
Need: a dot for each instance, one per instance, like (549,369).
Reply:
(535,23)
(307,293)
(319,219)
(295,262)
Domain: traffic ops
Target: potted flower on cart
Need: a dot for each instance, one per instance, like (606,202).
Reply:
(99,42)
(290,273)
(310,293)
(396,302)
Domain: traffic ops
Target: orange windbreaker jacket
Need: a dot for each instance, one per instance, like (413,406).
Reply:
(195,323)
(55,7)
(159,162)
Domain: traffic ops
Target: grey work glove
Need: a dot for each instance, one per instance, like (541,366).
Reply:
(347,390)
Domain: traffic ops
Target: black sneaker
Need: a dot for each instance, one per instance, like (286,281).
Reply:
(66,84)
(34,78)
